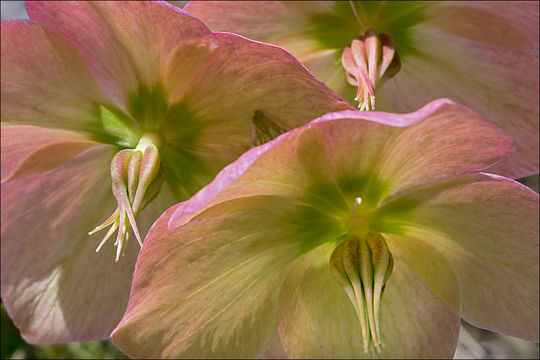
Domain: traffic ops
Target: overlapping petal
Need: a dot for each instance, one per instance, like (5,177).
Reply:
(45,81)
(24,142)
(484,228)
(53,207)
(483,55)
(176,53)
(286,24)
(488,63)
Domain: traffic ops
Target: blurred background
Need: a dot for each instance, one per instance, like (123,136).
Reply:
(474,343)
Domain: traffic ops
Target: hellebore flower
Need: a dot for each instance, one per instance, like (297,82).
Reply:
(356,235)
(137,92)
(482,54)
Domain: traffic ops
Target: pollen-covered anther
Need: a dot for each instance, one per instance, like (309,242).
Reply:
(370,60)
(362,266)
(132,173)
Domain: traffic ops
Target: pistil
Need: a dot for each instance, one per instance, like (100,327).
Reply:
(370,60)
(362,265)
(133,171)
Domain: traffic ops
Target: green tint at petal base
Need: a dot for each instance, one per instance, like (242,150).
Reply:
(336,30)
(119,126)
(180,130)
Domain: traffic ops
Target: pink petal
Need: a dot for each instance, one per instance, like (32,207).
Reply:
(242,77)
(452,140)
(489,62)
(177,51)
(125,44)
(20,142)
(55,287)
(235,241)
(284,21)
(479,232)
(216,83)
(45,82)
(52,279)
(37,158)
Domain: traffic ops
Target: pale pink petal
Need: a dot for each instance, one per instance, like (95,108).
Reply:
(484,230)
(473,53)
(321,321)
(45,81)
(452,140)
(287,24)
(26,155)
(158,44)
(212,95)
(126,44)
(242,79)
(282,23)
(55,287)
(211,287)
(50,272)
(275,22)
(21,141)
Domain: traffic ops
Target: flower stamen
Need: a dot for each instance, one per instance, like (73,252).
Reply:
(370,60)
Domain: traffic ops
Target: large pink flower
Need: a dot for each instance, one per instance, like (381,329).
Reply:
(361,234)
(176,102)
(483,54)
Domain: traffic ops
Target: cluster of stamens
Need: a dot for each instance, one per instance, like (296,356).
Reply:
(132,173)
(370,60)
(362,265)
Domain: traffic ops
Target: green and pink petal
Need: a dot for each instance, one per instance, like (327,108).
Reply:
(473,230)
(212,287)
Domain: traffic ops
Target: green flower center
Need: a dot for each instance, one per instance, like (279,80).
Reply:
(362,265)
(336,28)
(156,140)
